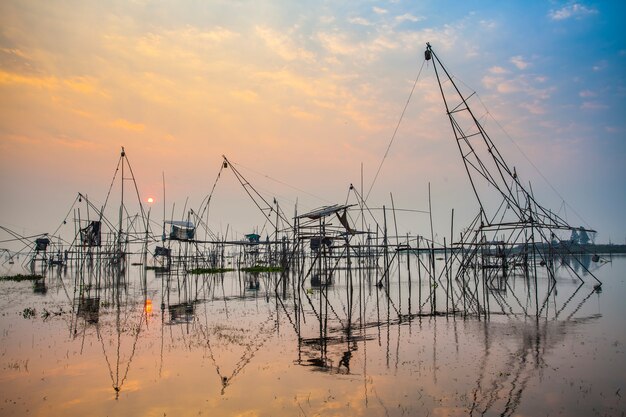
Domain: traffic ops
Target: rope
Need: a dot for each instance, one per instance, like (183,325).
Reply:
(280,182)
(208,199)
(395,131)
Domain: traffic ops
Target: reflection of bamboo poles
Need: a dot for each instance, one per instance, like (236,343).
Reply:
(516,372)
(250,351)
(325,309)
(117,379)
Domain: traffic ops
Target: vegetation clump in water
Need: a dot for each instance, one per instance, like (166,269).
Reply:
(209,270)
(28,313)
(259,268)
(21,277)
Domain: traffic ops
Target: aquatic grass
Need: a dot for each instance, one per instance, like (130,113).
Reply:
(198,271)
(29,313)
(18,365)
(21,277)
(259,268)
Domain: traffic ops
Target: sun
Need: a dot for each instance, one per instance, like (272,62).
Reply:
(150,200)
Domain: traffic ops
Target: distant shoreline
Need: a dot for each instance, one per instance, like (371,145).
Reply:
(571,249)
(601,248)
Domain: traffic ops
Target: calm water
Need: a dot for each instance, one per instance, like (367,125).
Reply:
(83,343)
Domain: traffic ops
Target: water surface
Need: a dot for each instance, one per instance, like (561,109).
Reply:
(83,342)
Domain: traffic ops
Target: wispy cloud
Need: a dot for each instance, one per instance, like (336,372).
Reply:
(127,125)
(337,43)
(509,86)
(247,96)
(379,10)
(300,113)
(600,66)
(359,21)
(497,70)
(488,24)
(14,51)
(409,17)
(324,93)
(525,88)
(193,35)
(358,50)
(283,45)
(44,82)
(84,85)
(182,39)
(72,142)
(575,10)
(587,94)
(534,107)
(593,105)
(519,62)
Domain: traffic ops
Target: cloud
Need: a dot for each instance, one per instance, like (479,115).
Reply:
(194,36)
(519,62)
(84,85)
(587,94)
(20,139)
(379,10)
(359,21)
(510,86)
(283,45)
(593,105)
(14,51)
(247,96)
(337,43)
(600,66)
(497,70)
(327,94)
(67,141)
(534,108)
(524,88)
(168,51)
(44,82)
(178,41)
(409,17)
(125,124)
(490,82)
(488,24)
(472,51)
(384,43)
(575,10)
(300,113)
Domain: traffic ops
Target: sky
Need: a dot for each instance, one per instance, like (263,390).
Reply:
(303,97)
